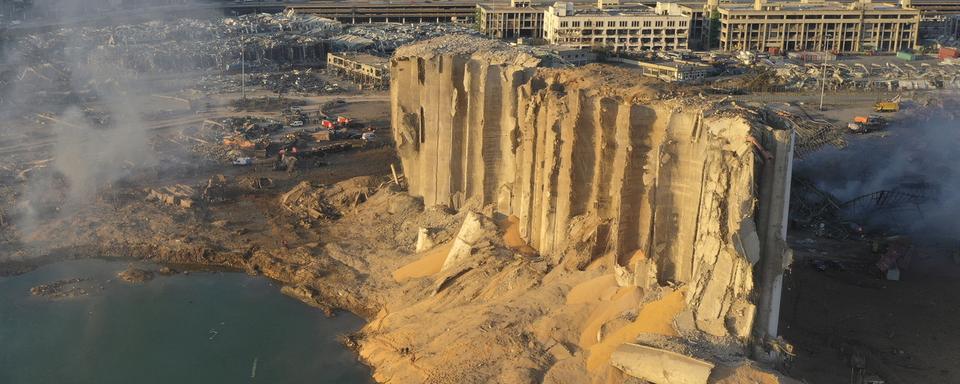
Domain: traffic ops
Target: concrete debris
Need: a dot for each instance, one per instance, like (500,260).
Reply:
(812,134)
(385,38)
(475,229)
(424,242)
(660,366)
(328,202)
(812,71)
(180,195)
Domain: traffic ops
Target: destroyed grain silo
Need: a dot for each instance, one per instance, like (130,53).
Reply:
(600,166)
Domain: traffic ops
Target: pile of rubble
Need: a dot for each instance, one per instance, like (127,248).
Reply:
(812,134)
(328,202)
(267,41)
(793,75)
(385,38)
(218,188)
(298,81)
(179,195)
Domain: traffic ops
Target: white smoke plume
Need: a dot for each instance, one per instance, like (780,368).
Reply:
(60,81)
(916,157)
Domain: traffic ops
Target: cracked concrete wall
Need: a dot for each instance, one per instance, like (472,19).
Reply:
(672,180)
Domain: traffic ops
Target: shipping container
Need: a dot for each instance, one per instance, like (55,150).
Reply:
(906,56)
(948,53)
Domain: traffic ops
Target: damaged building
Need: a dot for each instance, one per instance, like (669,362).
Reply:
(365,69)
(689,194)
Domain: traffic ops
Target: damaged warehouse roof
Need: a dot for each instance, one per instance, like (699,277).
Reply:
(268,40)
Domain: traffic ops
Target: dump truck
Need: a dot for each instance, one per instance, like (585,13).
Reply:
(865,124)
(887,106)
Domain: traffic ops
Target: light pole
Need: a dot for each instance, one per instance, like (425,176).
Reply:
(243,73)
(823,80)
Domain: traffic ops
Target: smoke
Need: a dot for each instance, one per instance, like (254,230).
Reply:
(915,161)
(92,102)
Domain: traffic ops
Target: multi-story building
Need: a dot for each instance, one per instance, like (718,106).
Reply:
(520,18)
(616,27)
(364,68)
(813,25)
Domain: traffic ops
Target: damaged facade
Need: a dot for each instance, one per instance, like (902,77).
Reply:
(363,68)
(678,194)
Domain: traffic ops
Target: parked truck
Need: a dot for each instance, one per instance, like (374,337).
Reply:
(887,106)
(865,124)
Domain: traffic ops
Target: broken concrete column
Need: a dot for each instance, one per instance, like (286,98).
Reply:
(774,207)
(660,366)
(424,242)
(475,229)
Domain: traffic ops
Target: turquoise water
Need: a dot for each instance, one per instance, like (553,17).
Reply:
(200,328)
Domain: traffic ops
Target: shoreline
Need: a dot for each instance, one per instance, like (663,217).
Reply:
(350,341)
(16,268)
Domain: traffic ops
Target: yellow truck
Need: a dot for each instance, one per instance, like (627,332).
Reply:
(887,106)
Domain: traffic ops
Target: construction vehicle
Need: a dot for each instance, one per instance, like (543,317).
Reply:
(892,105)
(865,124)
(887,106)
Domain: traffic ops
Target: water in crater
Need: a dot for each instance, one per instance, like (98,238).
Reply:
(205,327)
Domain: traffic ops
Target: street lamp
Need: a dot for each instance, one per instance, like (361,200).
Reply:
(243,73)
(823,80)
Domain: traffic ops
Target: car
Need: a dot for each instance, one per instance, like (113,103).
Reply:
(296,123)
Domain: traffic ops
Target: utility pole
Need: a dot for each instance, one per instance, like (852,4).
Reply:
(823,80)
(243,74)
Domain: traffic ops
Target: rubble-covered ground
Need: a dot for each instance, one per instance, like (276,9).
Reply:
(268,41)
(119,151)
(875,246)
(862,73)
